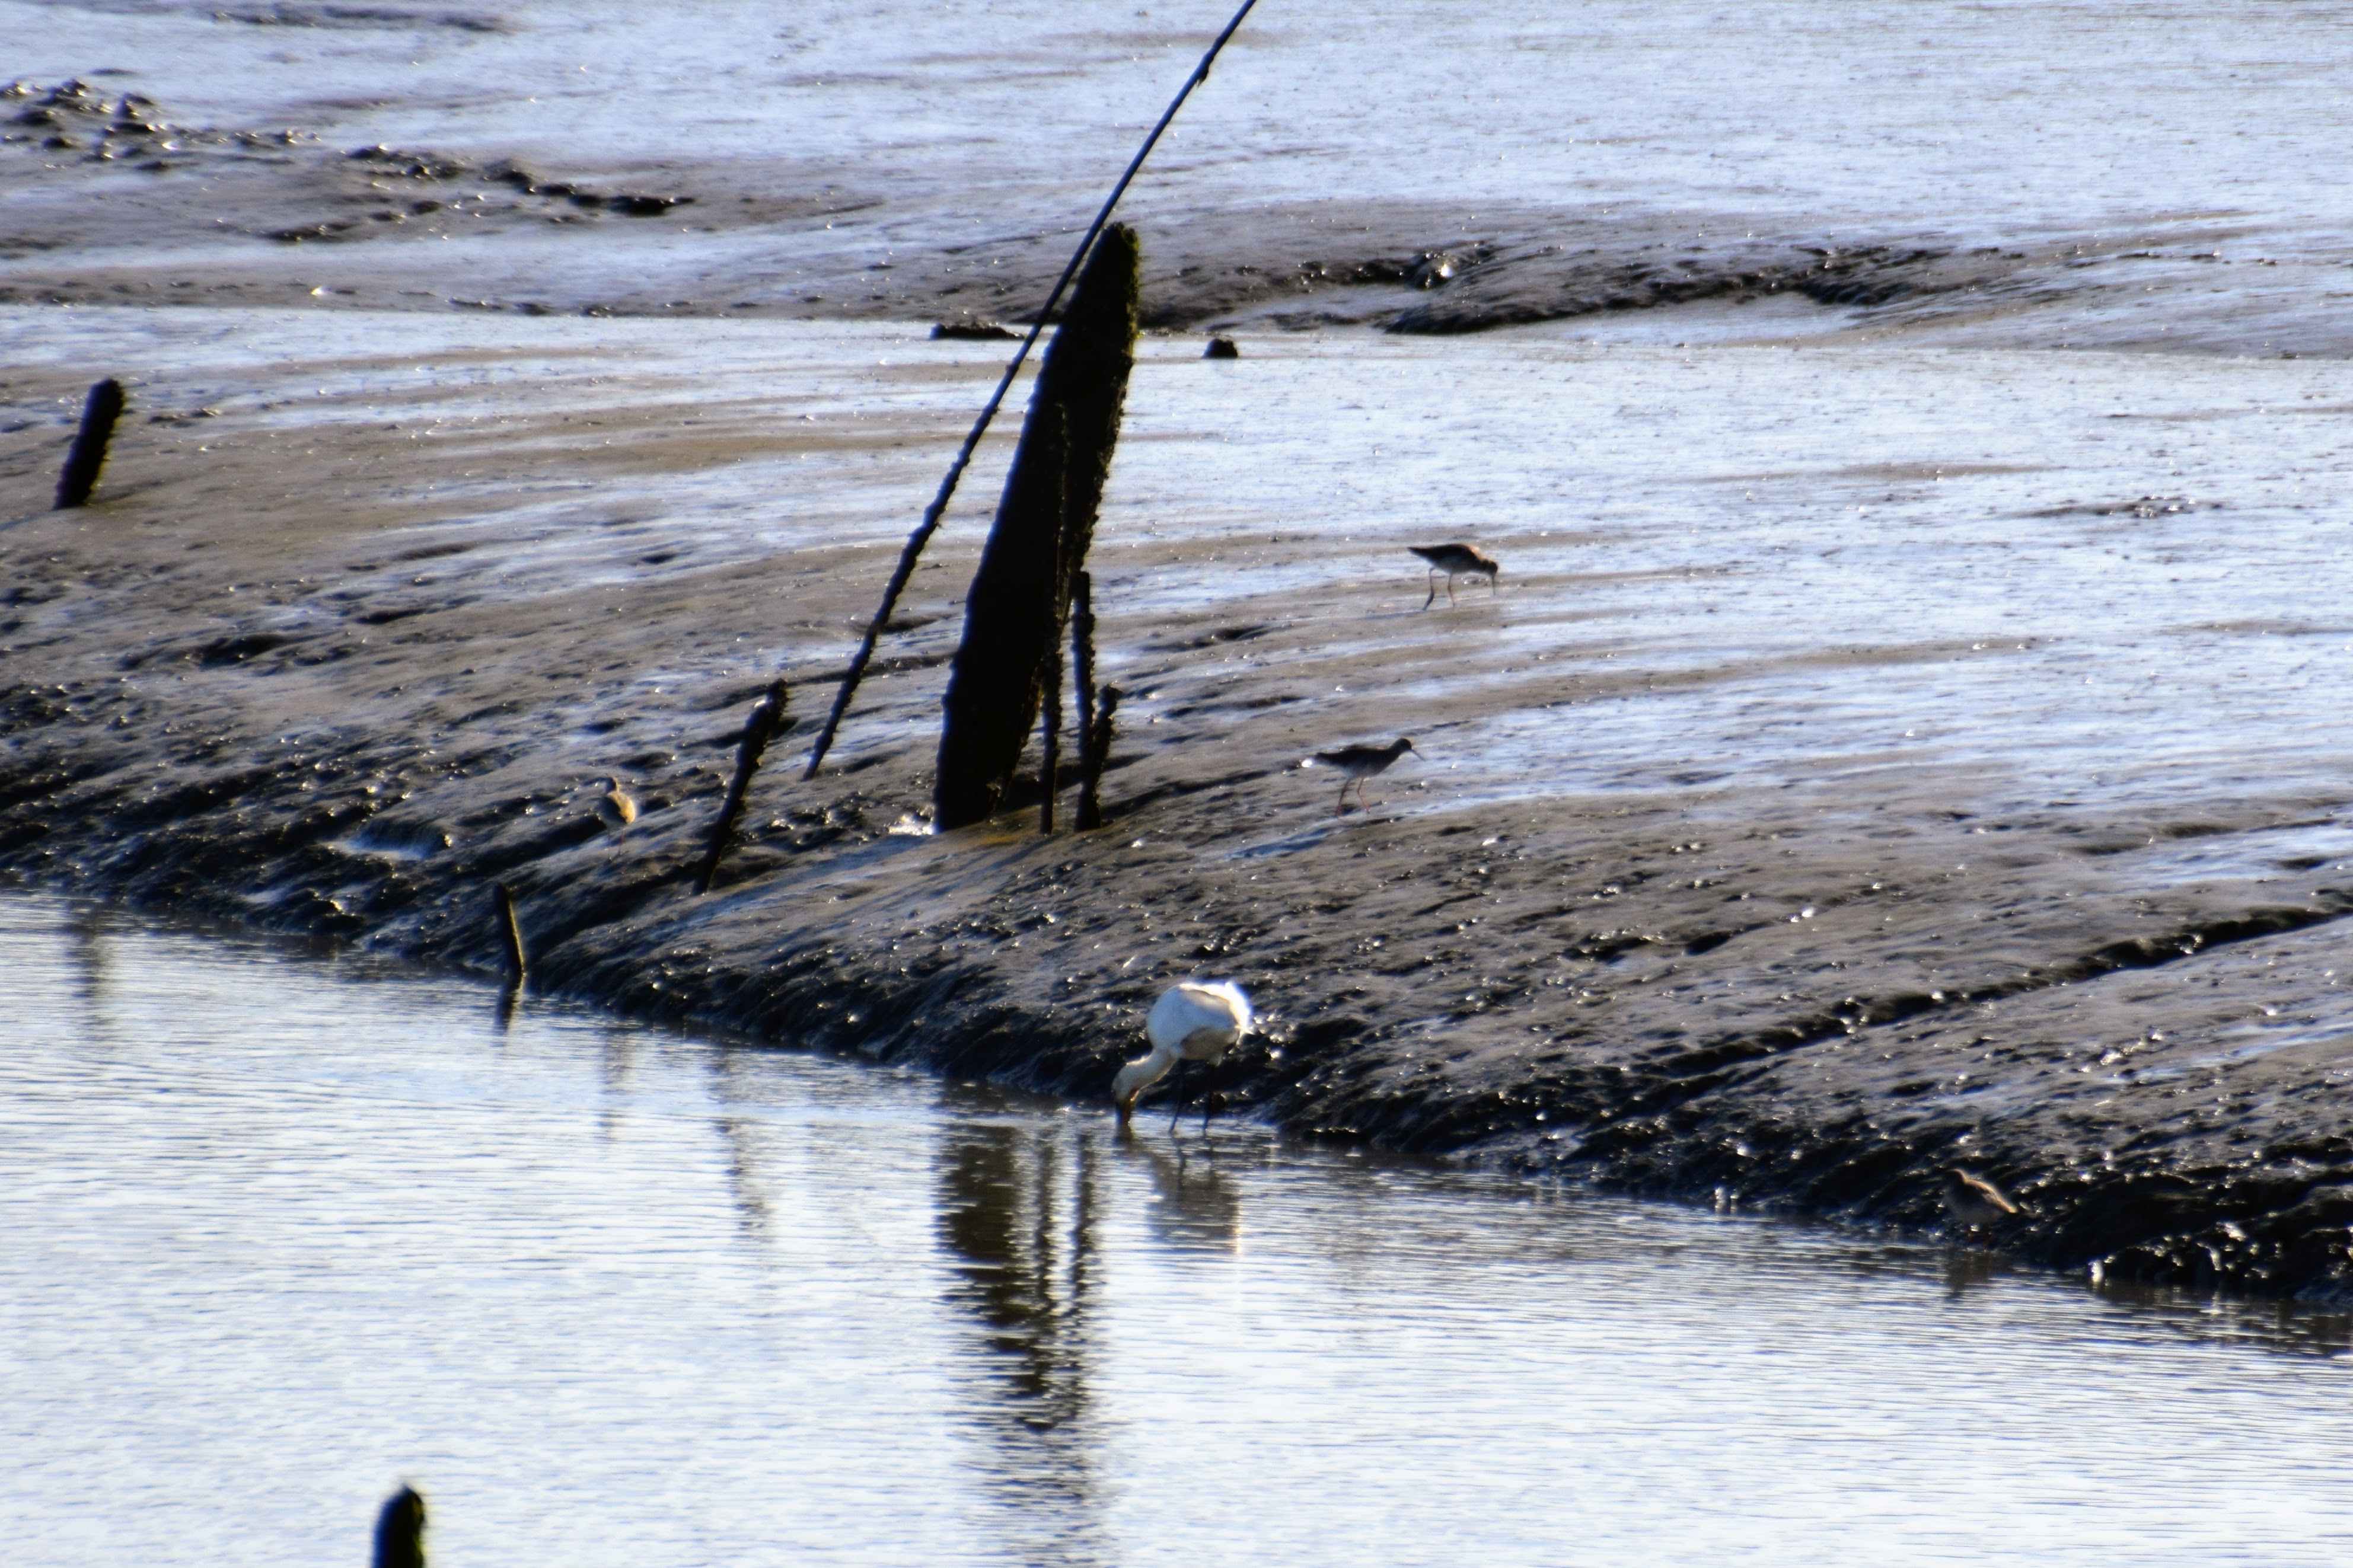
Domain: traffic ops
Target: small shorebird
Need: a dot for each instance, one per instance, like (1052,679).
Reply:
(1455,560)
(1361,762)
(400,1531)
(1192,1022)
(1974,1202)
(616,808)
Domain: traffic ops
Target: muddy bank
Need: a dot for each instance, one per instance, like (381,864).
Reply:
(118,199)
(1713,885)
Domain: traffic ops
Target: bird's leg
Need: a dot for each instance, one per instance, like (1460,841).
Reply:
(1434,589)
(1342,809)
(1176,1086)
(1449,590)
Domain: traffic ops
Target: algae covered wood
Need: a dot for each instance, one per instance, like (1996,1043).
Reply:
(1020,596)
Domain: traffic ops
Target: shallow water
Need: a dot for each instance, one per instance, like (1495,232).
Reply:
(279,1228)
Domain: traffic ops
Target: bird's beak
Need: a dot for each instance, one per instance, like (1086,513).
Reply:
(1126,1109)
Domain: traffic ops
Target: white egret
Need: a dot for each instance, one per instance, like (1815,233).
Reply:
(1192,1022)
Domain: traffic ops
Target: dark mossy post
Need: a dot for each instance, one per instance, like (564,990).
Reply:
(98,413)
(400,1531)
(1020,597)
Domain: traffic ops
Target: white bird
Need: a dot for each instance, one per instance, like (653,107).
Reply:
(1190,1023)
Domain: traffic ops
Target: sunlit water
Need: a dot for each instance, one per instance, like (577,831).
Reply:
(277,1230)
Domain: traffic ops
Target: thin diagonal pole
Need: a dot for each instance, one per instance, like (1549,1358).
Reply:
(938,509)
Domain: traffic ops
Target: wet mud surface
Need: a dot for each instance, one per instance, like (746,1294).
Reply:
(116,199)
(1712,885)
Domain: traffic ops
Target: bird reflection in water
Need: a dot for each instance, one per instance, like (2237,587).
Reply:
(1017,1210)
(1199,1206)
(86,944)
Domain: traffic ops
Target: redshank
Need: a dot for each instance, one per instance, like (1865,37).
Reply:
(1455,560)
(1361,762)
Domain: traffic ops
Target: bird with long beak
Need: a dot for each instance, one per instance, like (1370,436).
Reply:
(1357,764)
(1192,1022)
(1456,561)
(1974,1202)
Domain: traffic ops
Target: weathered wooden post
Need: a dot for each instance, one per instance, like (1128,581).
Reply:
(1091,747)
(1098,753)
(400,1531)
(1020,597)
(98,413)
(771,717)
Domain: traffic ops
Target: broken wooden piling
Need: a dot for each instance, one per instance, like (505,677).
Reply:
(1019,601)
(100,410)
(1098,753)
(400,1529)
(771,717)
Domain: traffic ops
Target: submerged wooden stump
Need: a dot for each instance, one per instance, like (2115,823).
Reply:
(1020,597)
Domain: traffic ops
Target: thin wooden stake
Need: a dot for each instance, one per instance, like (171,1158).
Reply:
(771,717)
(1082,670)
(1098,753)
(938,509)
(1052,710)
(98,413)
(511,931)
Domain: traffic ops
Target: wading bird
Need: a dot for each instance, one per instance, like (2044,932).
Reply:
(1192,1022)
(1359,763)
(1974,1202)
(615,808)
(1455,560)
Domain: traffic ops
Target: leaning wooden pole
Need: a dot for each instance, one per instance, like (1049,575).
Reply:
(98,412)
(509,935)
(771,717)
(1019,600)
(932,513)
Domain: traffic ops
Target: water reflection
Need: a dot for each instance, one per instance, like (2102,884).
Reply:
(846,1316)
(1018,1205)
(1195,1204)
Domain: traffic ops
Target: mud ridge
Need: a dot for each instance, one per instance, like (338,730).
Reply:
(1804,993)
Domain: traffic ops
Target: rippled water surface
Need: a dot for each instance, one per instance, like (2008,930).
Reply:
(277,1229)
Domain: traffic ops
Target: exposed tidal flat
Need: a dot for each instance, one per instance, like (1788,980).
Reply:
(1876,757)
(1904,735)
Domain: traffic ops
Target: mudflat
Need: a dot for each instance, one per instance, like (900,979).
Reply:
(1870,761)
